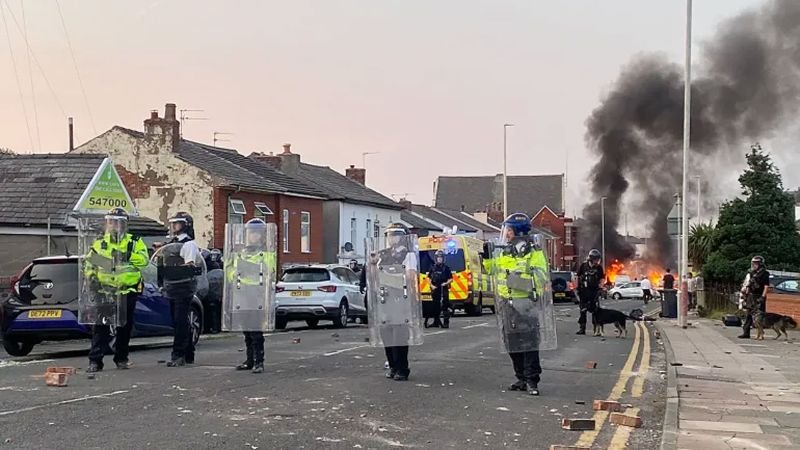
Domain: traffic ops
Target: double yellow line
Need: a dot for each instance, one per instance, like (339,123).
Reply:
(620,439)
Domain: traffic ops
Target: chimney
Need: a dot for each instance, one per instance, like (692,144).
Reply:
(406,204)
(169,111)
(270,160)
(290,162)
(71,135)
(356,174)
(168,128)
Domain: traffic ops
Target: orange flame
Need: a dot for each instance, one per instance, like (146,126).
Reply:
(616,268)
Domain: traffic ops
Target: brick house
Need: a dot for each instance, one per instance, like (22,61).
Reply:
(166,174)
(564,255)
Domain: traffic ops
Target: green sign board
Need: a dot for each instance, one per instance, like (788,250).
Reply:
(104,192)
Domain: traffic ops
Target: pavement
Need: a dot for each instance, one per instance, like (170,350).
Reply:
(324,388)
(728,393)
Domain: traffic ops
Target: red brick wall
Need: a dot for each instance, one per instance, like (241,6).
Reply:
(277,203)
(787,305)
(137,186)
(547,220)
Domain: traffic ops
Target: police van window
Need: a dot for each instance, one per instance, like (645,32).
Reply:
(453,260)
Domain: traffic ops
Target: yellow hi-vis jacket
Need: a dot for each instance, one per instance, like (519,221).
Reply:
(531,266)
(121,274)
(269,259)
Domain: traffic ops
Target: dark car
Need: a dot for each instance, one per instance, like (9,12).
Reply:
(43,306)
(563,284)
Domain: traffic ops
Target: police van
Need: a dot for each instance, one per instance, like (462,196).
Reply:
(471,289)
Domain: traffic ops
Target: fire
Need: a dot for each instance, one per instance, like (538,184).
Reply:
(616,268)
(637,270)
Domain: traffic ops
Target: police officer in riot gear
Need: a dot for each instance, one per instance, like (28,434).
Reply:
(180,285)
(756,295)
(256,254)
(125,255)
(397,255)
(521,272)
(441,277)
(590,279)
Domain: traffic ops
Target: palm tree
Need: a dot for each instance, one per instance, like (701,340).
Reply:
(701,241)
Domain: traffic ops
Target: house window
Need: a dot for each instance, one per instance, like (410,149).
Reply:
(236,211)
(262,211)
(305,232)
(353,231)
(368,231)
(568,235)
(285,231)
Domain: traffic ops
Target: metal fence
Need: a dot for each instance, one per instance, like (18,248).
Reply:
(722,296)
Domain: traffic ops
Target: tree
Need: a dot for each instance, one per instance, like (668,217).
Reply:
(6,151)
(762,223)
(701,243)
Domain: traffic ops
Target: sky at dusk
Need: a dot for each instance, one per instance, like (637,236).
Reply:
(426,84)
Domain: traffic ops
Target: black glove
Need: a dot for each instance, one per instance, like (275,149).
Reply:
(488,250)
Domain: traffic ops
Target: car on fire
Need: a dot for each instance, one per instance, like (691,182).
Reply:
(43,306)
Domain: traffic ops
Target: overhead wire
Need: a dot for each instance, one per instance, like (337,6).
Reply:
(36,61)
(16,74)
(30,74)
(75,64)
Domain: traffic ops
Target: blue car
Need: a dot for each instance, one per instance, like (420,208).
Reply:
(44,302)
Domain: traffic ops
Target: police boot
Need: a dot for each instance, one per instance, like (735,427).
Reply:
(581,331)
(427,325)
(533,389)
(247,365)
(177,362)
(446,323)
(518,386)
(94,367)
(258,367)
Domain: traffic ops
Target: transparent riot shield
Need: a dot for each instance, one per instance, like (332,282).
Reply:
(176,277)
(523,298)
(250,260)
(100,301)
(394,307)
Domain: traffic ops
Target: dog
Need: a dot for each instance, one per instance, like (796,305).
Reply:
(777,322)
(603,316)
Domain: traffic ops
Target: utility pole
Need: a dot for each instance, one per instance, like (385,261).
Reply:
(603,226)
(220,133)
(683,308)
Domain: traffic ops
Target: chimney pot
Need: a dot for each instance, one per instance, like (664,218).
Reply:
(356,174)
(287,149)
(154,114)
(169,111)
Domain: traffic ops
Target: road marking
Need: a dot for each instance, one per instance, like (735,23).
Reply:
(345,350)
(435,333)
(588,437)
(644,366)
(623,433)
(483,324)
(63,402)
(10,363)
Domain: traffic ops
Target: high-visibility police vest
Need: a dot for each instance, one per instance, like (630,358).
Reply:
(269,259)
(534,261)
(123,275)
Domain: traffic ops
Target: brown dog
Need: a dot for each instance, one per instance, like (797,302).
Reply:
(777,322)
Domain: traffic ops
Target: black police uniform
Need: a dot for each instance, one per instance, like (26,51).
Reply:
(397,356)
(180,285)
(440,295)
(756,304)
(589,279)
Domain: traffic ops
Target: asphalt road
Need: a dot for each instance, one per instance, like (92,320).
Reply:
(328,391)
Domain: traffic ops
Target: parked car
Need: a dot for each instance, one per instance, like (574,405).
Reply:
(43,306)
(563,284)
(319,292)
(629,290)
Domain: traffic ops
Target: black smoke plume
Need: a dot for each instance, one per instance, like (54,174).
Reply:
(746,84)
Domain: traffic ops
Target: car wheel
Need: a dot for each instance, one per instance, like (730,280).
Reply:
(312,323)
(195,323)
(280,323)
(17,348)
(340,321)
(474,310)
(616,296)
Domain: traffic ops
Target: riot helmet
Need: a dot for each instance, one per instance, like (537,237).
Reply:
(354,265)
(182,222)
(516,225)
(116,223)
(395,232)
(255,231)
(438,257)
(594,256)
(757,262)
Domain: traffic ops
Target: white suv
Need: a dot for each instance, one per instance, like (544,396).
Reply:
(319,292)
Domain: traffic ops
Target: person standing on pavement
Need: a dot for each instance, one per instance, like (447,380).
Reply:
(590,279)
(521,275)
(690,285)
(668,280)
(256,253)
(181,293)
(441,276)
(756,295)
(647,289)
(127,256)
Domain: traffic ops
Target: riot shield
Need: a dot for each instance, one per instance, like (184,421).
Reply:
(394,307)
(99,299)
(523,300)
(176,277)
(248,302)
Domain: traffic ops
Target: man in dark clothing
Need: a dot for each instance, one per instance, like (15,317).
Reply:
(669,280)
(363,287)
(756,295)
(590,278)
(441,277)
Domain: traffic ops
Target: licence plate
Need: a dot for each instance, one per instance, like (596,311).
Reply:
(301,294)
(45,314)
(426,296)
(559,294)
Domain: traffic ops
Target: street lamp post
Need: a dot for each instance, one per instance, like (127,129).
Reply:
(687,97)
(699,203)
(505,168)
(603,227)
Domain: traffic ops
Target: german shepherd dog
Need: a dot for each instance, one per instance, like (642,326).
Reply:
(603,316)
(777,322)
